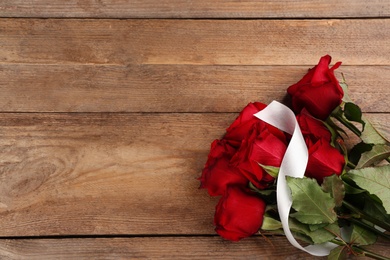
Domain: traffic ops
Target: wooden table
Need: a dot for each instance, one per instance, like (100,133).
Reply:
(108,109)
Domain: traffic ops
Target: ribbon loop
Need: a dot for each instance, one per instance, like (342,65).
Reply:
(293,164)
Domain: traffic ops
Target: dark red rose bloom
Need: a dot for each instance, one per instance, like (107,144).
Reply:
(312,127)
(266,145)
(239,214)
(240,128)
(318,91)
(324,160)
(218,173)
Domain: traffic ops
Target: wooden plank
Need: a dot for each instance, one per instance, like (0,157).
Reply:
(200,42)
(148,248)
(194,9)
(105,173)
(159,248)
(168,88)
(108,173)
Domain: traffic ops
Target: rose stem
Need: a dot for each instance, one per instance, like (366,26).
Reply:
(360,250)
(351,127)
(348,124)
(351,165)
(363,215)
(368,253)
(371,228)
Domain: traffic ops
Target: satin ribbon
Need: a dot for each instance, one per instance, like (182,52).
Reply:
(293,164)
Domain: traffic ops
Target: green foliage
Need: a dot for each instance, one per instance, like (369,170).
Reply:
(376,180)
(270,224)
(356,152)
(271,170)
(350,188)
(335,186)
(362,236)
(352,112)
(318,236)
(377,154)
(346,97)
(313,205)
(338,253)
(373,207)
(268,195)
(370,135)
(334,129)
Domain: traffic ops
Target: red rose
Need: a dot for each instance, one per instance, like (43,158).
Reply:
(312,127)
(324,160)
(266,145)
(240,128)
(318,91)
(218,173)
(238,214)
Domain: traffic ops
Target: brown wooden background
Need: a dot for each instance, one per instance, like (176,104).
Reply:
(108,109)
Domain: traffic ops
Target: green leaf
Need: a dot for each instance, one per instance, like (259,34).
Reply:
(313,205)
(356,152)
(370,135)
(315,227)
(269,195)
(335,186)
(318,236)
(352,112)
(362,236)
(261,192)
(349,189)
(346,97)
(374,208)
(377,154)
(376,180)
(302,237)
(270,223)
(271,170)
(338,253)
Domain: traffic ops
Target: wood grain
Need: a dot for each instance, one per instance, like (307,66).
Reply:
(159,248)
(194,9)
(105,173)
(149,248)
(108,173)
(108,109)
(199,42)
(168,88)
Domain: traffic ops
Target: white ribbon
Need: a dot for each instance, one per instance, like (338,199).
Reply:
(293,164)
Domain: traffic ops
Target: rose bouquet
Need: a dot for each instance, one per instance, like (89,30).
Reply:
(321,175)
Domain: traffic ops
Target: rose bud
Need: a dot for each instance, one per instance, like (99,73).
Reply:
(324,160)
(318,91)
(239,214)
(240,128)
(264,145)
(218,173)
